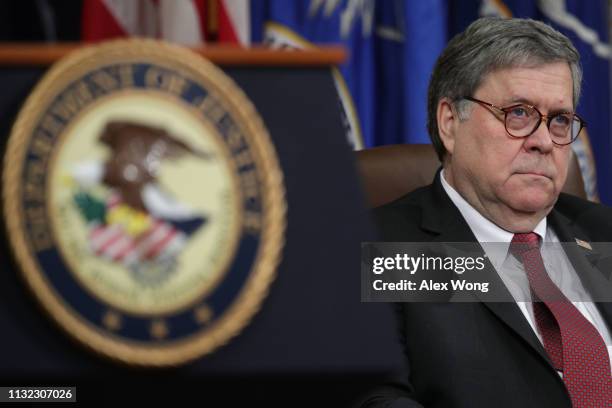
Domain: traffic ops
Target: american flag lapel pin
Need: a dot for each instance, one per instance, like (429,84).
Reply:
(584,244)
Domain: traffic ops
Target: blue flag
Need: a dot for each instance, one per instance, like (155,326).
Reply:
(392,48)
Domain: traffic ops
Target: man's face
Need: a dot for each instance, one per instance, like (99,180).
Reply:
(514,182)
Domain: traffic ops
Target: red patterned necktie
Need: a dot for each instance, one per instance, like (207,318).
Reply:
(574,345)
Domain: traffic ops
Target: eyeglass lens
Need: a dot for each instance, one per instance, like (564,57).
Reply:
(523,120)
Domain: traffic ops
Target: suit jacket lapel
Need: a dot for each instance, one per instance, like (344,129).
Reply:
(584,261)
(443,219)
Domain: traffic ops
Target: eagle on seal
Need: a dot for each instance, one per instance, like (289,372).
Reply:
(137,223)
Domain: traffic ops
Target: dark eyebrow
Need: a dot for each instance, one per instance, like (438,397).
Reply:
(517,100)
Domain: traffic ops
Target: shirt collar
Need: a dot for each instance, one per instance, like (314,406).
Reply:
(485,230)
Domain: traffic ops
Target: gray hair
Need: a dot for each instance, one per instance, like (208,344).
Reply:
(489,44)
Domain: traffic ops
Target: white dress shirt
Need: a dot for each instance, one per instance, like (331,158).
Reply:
(496,241)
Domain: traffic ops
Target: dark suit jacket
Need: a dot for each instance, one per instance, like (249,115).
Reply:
(482,354)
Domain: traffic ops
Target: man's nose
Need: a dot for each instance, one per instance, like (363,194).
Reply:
(540,140)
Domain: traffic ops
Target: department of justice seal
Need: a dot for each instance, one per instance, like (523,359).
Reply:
(144,201)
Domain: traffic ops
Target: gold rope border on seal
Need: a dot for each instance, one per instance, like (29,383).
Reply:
(250,299)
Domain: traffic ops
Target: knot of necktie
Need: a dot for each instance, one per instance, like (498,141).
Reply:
(522,243)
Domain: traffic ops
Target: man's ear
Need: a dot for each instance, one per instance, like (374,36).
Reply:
(447,123)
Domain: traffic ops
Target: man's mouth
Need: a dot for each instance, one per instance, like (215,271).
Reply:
(535,173)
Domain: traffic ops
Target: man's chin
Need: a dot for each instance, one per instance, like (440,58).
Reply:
(526,203)
(521,213)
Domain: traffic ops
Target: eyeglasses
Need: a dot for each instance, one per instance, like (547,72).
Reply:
(522,120)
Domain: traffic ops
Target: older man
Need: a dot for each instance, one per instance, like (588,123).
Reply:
(502,102)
